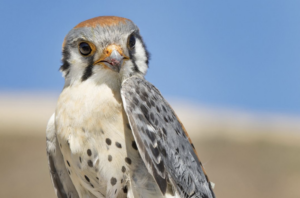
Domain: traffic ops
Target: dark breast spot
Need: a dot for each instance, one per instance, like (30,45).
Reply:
(87,179)
(90,163)
(89,152)
(123,169)
(128,160)
(68,163)
(113,181)
(108,141)
(118,145)
(109,158)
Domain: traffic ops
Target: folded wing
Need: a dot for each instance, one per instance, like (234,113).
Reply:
(163,142)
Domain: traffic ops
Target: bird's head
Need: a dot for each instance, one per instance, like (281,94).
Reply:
(106,47)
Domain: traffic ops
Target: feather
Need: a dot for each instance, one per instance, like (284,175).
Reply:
(62,183)
(163,143)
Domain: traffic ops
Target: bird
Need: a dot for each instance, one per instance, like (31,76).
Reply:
(112,133)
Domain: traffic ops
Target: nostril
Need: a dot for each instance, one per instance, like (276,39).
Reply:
(114,62)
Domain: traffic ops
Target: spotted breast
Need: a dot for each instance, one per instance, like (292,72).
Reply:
(97,144)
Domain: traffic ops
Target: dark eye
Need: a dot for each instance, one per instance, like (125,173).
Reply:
(84,48)
(131,41)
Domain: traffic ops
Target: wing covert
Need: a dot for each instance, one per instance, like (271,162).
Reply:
(162,141)
(62,183)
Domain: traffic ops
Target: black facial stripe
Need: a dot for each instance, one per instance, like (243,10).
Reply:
(66,55)
(88,70)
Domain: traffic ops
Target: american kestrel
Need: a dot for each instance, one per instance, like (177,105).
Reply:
(112,133)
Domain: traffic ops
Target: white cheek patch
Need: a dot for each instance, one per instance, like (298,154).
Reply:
(76,58)
(77,67)
(140,56)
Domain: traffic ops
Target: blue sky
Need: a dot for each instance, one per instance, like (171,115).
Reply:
(232,54)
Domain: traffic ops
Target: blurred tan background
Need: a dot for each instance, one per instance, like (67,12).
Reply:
(245,154)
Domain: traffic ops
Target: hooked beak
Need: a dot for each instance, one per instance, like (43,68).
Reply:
(112,58)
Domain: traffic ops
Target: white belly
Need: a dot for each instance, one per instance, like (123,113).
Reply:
(98,146)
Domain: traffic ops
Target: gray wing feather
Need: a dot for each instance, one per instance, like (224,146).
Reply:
(62,183)
(162,142)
